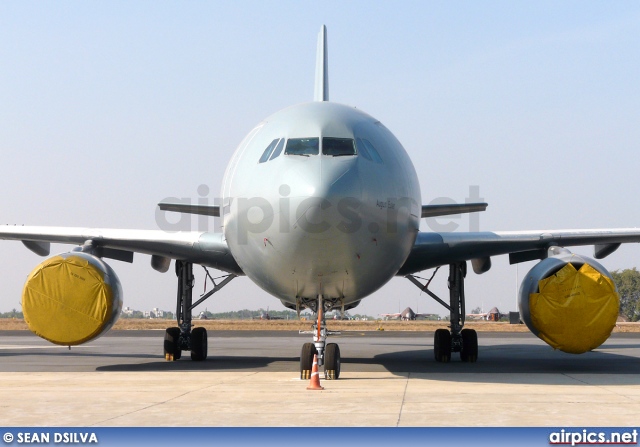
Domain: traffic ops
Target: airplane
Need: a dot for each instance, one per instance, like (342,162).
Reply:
(493,315)
(265,316)
(321,207)
(407,314)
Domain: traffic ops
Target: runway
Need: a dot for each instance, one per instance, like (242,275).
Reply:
(251,379)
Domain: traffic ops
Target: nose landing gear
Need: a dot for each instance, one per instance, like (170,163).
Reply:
(328,354)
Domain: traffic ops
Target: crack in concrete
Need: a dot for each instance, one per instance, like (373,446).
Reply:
(169,400)
(404,395)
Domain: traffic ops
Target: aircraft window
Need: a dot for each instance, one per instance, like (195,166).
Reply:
(268,150)
(362,149)
(278,150)
(302,146)
(338,146)
(372,151)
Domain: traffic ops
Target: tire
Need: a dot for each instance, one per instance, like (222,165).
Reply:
(199,344)
(172,349)
(469,352)
(442,345)
(332,362)
(306,360)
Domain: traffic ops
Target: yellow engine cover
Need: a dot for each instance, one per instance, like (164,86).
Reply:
(576,310)
(71,298)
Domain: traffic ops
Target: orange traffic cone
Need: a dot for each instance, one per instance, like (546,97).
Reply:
(314,384)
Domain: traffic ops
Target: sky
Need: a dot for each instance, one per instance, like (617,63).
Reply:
(107,108)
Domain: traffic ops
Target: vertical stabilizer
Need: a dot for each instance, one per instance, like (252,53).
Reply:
(322,68)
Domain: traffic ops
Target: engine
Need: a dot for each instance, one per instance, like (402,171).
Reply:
(570,302)
(71,299)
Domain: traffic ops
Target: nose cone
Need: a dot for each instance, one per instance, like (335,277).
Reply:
(319,246)
(325,199)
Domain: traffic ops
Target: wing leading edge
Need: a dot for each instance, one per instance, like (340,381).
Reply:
(435,249)
(208,249)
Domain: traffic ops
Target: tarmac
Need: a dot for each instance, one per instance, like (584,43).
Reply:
(252,379)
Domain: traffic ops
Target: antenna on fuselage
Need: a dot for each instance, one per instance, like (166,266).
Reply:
(322,68)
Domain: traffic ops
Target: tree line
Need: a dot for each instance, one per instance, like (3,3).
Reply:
(628,283)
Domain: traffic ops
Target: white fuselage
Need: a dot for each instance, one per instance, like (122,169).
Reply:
(304,223)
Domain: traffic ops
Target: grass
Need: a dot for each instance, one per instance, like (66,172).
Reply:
(8,324)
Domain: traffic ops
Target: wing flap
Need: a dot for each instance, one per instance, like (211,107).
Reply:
(39,248)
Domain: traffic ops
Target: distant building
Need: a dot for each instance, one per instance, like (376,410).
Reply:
(153,313)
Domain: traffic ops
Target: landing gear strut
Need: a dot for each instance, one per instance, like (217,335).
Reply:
(464,341)
(183,338)
(328,354)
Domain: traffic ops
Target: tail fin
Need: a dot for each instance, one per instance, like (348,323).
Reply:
(322,68)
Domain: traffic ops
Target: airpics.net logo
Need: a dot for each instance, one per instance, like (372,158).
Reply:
(257,214)
(592,437)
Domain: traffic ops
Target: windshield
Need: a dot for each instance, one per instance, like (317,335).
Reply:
(302,146)
(338,146)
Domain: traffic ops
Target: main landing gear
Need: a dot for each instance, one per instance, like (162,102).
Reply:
(328,354)
(464,341)
(183,337)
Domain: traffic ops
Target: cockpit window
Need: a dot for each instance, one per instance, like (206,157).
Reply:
(268,150)
(278,150)
(302,146)
(368,151)
(372,151)
(362,149)
(338,146)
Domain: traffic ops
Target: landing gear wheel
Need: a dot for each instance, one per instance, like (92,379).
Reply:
(172,349)
(332,362)
(469,352)
(442,345)
(306,360)
(199,344)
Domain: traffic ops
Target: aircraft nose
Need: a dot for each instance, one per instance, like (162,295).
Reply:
(340,179)
(330,209)
(318,197)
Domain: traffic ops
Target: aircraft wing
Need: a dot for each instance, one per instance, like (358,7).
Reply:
(208,249)
(434,249)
